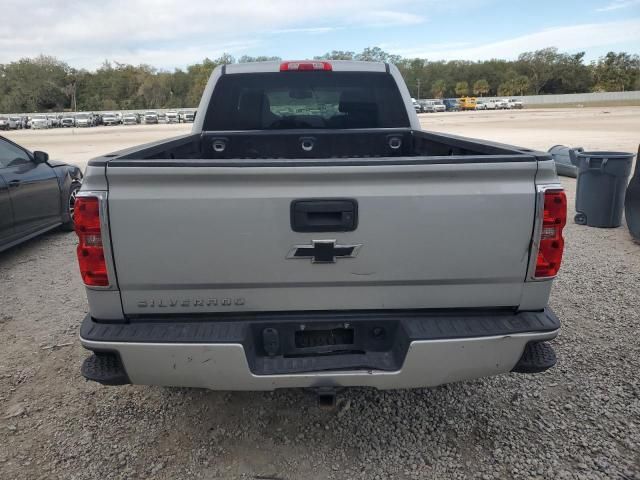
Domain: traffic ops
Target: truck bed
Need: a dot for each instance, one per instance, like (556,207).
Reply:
(397,145)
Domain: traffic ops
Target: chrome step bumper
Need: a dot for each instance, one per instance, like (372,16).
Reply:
(426,349)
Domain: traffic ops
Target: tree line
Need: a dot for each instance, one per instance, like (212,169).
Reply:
(45,83)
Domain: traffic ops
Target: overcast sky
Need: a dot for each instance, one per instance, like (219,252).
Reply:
(169,34)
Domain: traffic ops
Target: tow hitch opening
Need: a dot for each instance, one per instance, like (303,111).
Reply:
(326,397)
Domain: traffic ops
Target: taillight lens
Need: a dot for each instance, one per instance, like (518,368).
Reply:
(551,242)
(304,65)
(93,266)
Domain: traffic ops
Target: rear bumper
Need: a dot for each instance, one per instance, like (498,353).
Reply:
(423,349)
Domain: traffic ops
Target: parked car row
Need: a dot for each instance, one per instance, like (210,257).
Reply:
(465,103)
(90,119)
(153,117)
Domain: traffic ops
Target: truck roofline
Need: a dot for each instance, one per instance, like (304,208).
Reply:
(274,66)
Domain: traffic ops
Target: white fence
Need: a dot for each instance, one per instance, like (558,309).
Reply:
(577,98)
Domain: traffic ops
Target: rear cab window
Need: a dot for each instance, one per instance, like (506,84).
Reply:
(304,100)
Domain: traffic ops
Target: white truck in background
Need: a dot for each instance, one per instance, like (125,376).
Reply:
(433,106)
(110,118)
(40,121)
(439,106)
(186,117)
(130,118)
(331,246)
(84,120)
(172,117)
(514,103)
(151,117)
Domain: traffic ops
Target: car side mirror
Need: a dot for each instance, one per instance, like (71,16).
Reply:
(40,157)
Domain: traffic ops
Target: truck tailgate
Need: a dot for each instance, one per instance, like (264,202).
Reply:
(208,238)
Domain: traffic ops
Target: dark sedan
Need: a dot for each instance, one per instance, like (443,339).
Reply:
(36,194)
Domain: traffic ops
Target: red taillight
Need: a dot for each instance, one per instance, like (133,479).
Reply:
(551,241)
(304,65)
(93,266)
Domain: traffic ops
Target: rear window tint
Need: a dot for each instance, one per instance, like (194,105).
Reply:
(302,100)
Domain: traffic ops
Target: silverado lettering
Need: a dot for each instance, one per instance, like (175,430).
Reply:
(197,302)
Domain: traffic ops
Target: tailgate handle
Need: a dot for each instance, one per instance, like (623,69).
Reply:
(324,215)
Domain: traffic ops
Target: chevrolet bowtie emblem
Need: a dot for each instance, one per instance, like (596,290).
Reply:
(324,251)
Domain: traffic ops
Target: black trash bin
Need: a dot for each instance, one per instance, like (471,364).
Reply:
(602,183)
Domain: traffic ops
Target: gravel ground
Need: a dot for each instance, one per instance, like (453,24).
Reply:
(578,420)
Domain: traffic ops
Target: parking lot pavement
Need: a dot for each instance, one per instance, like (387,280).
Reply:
(79,145)
(578,420)
(601,128)
(594,128)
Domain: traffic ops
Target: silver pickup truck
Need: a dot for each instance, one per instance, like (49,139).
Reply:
(308,233)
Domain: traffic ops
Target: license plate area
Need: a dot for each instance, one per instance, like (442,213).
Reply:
(314,344)
(306,339)
(335,337)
